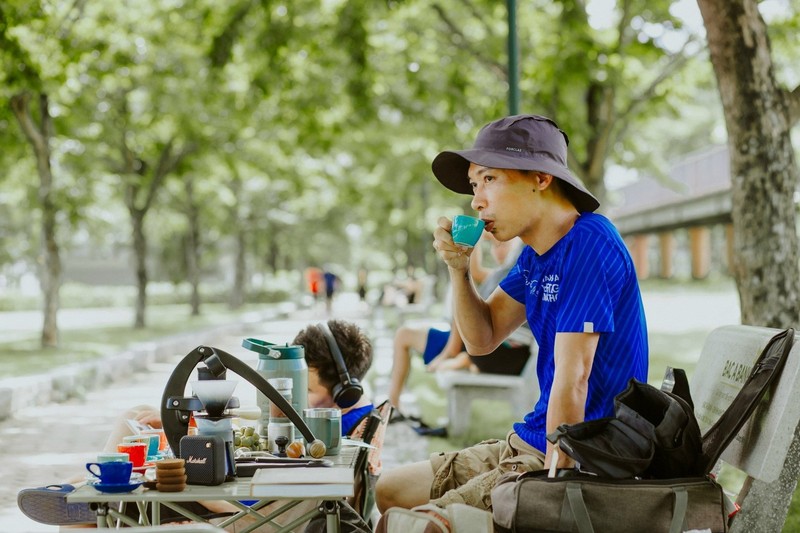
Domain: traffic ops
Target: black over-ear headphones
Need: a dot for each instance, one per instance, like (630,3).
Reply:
(348,390)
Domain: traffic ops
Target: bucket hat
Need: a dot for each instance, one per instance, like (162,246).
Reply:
(519,142)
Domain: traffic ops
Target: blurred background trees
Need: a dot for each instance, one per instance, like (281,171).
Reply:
(221,145)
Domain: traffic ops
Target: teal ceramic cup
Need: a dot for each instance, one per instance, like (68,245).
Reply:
(112,472)
(109,457)
(466,230)
(152,442)
(326,425)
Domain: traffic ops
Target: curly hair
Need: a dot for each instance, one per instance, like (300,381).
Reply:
(353,343)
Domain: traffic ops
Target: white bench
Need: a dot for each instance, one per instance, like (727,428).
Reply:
(464,387)
(767,448)
(425,299)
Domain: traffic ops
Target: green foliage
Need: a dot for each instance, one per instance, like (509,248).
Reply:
(311,125)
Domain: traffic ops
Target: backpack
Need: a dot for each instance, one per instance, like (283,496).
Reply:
(653,435)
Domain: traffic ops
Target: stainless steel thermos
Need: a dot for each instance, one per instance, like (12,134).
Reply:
(280,361)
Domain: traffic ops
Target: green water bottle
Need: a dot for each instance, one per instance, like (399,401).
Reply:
(280,361)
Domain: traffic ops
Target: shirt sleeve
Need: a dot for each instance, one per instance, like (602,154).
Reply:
(515,282)
(591,271)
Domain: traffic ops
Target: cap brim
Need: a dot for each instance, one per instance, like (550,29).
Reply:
(451,168)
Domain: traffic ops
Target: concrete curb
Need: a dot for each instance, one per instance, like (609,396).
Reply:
(70,381)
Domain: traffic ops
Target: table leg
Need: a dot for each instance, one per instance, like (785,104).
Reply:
(155,514)
(332,517)
(102,515)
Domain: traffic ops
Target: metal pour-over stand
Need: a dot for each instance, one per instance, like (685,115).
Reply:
(176,409)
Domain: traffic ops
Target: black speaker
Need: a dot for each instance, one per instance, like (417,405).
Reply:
(205,459)
(348,390)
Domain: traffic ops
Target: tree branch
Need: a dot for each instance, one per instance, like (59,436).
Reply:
(793,101)
(493,65)
(45,120)
(625,35)
(66,24)
(479,17)
(167,162)
(676,62)
(20,105)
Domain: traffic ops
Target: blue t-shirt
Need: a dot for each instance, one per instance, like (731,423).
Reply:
(584,283)
(351,418)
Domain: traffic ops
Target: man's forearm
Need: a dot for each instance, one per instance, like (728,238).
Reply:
(567,406)
(470,313)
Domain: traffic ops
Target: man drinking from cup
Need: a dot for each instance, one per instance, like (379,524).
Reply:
(574,283)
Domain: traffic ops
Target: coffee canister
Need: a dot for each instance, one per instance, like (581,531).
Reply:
(280,361)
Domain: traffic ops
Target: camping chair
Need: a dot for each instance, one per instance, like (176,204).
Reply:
(368,461)
(357,514)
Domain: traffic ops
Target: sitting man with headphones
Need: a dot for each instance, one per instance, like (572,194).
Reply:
(338,354)
(337,384)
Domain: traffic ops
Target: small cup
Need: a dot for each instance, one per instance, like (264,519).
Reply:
(162,437)
(151,441)
(112,457)
(466,230)
(112,472)
(326,425)
(136,450)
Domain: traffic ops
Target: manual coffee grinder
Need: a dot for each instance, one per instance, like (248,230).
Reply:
(176,409)
(216,395)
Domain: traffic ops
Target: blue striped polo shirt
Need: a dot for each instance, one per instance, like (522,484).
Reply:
(584,283)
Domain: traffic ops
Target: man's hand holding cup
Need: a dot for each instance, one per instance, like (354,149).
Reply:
(455,240)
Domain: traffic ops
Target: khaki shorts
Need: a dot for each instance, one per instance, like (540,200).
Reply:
(469,475)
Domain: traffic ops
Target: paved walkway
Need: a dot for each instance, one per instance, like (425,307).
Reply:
(50,443)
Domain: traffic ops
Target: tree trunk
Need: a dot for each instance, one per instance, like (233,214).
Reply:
(140,192)
(50,277)
(140,252)
(764,177)
(193,247)
(273,253)
(239,283)
(239,288)
(764,172)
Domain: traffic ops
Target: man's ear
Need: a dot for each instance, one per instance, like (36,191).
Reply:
(542,180)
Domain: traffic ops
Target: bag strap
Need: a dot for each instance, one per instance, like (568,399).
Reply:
(467,519)
(678,523)
(429,512)
(765,370)
(573,510)
(676,382)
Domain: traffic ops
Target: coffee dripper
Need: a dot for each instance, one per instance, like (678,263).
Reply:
(216,395)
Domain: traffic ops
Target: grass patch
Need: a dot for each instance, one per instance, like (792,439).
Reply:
(26,356)
(675,350)
(489,420)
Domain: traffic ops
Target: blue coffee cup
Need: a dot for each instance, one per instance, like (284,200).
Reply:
(466,230)
(112,472)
